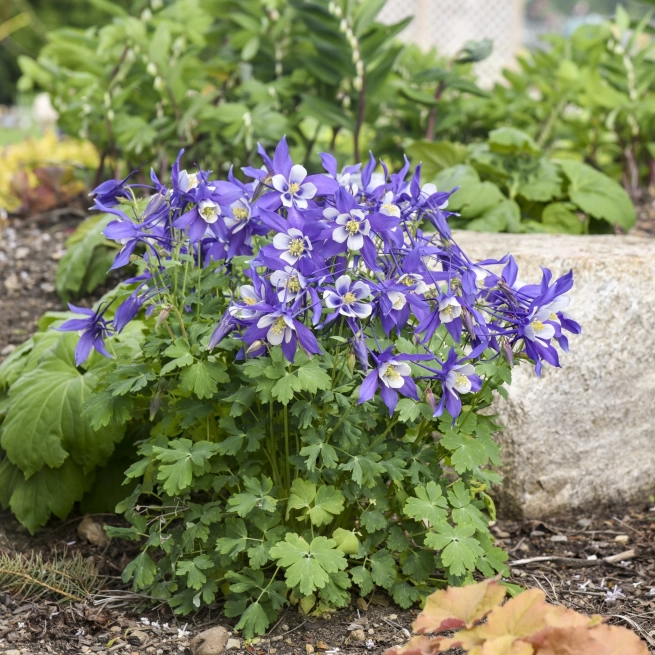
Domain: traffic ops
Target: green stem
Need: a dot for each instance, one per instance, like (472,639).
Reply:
(287,464)
(199,279)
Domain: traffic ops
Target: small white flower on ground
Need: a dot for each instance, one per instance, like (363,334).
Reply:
(145,620)
(613,595)
(370,644)
(182,633)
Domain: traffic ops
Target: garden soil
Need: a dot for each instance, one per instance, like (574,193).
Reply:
(116,621)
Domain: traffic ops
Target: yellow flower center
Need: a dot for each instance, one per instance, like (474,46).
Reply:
(392,373)
(240,213)
(296,247)
(460,379)
(193,180)
(408,281)
(538,326)
(390,207)
(553,316)
(279,326)
(250,301)
(208,213)
(448,310)
(352,226)
(293,284)
(349,298)
(294,187)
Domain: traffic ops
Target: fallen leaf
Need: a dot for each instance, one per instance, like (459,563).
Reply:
(458,607)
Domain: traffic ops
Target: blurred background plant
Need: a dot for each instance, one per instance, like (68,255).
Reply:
(142,80)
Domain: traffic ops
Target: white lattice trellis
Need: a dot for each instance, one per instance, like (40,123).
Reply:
(448,24)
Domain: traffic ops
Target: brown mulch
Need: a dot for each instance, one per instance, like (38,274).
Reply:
(578,577)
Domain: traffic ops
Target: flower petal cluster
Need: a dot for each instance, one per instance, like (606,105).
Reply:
(358,253)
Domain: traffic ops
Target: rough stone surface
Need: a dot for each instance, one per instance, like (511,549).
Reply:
(583,435)
(210,642)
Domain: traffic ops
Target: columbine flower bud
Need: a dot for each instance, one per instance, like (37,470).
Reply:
(255,345)
(430,399)
(151,68)
(351,361)
(508,352)
(163,314)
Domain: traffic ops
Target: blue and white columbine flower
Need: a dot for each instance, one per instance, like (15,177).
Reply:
(352,228)
(289,282)
(347,296)
(292,191)
(294,245)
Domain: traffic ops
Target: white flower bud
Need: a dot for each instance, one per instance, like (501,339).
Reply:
(151,68)
(110,115)
(157,4)
(359,67)
(358,83)
(107,99)
(337,11)
(158,84)
(346,102)
(332,7)
(146,15)
(247,119)
(343,25)
(86,109)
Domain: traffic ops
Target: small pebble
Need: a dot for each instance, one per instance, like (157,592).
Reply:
(537,533)
(371,631)
(392,617)
(358,635)
(309,649)
(622,538)
(233,644)
(559,538)
(285,627)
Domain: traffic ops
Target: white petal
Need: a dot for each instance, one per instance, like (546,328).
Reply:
(332,300)
(288,257)
(340,234)
(331,212)
(362,310)
(355,242)
(281,241)
(297,174)
(265,321)
(361,290)
(275,338)
(301,203)
(403,368)
(306,191)
(279,183)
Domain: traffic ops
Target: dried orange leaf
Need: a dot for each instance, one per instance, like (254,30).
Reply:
(600,640)
(506,645)
(521,616)
(458,607)
(422,646)
(562,617)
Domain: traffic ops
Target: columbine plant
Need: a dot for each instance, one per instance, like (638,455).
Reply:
(318,352)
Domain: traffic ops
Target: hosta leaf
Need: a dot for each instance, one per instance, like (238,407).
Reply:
(598,195)
(459,607)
